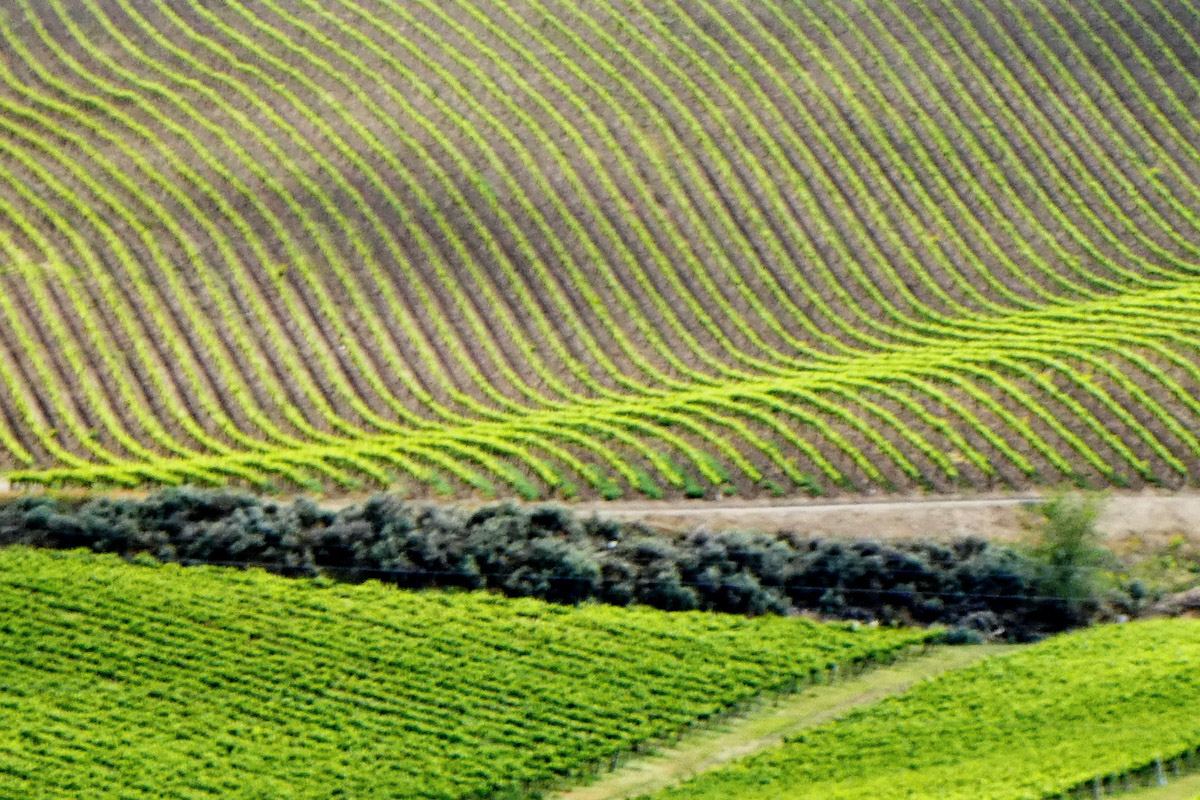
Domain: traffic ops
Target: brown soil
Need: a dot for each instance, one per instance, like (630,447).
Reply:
(1151,519)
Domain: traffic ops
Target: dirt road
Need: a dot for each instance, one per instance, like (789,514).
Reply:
(1148,516)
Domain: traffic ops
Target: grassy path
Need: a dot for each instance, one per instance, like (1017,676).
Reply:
(767,726)
(1186,788)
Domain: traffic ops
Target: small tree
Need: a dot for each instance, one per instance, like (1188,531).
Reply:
(1069,555)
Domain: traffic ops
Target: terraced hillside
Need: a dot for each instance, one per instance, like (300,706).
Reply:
(546,247)
(161,682)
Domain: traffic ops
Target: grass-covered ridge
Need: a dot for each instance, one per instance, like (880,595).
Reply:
(550,248)
(1097,704)
(162,682)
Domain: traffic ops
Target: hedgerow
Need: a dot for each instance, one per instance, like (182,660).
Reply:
(552,553)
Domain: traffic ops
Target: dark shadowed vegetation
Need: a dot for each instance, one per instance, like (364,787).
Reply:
(549,552)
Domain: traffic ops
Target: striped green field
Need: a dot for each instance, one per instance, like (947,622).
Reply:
(551,248)
(1087,714)
(124,681)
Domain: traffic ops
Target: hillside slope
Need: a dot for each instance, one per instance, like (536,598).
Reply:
(161,682)
(1118,703)
(544,247)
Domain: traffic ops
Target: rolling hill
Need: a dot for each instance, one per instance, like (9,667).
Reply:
(1086,714)
(140,681)
(544,248)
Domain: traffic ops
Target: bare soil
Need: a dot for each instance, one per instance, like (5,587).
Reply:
(1142,519)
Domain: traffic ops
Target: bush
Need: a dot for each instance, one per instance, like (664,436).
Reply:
(959,635)
(1068,557)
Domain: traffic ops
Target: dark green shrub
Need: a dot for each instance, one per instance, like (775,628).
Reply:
(960,635)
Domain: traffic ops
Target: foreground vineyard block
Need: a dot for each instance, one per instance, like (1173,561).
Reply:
(166,682)
(1109,707)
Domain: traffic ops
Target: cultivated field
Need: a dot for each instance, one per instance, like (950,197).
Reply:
(555,248)
(131,681)
(1090,713)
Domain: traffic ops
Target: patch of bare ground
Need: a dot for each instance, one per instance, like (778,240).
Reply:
(1145,519)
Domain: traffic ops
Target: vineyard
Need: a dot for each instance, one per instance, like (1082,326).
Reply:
(163,682)
(1091,712)
(548,248)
